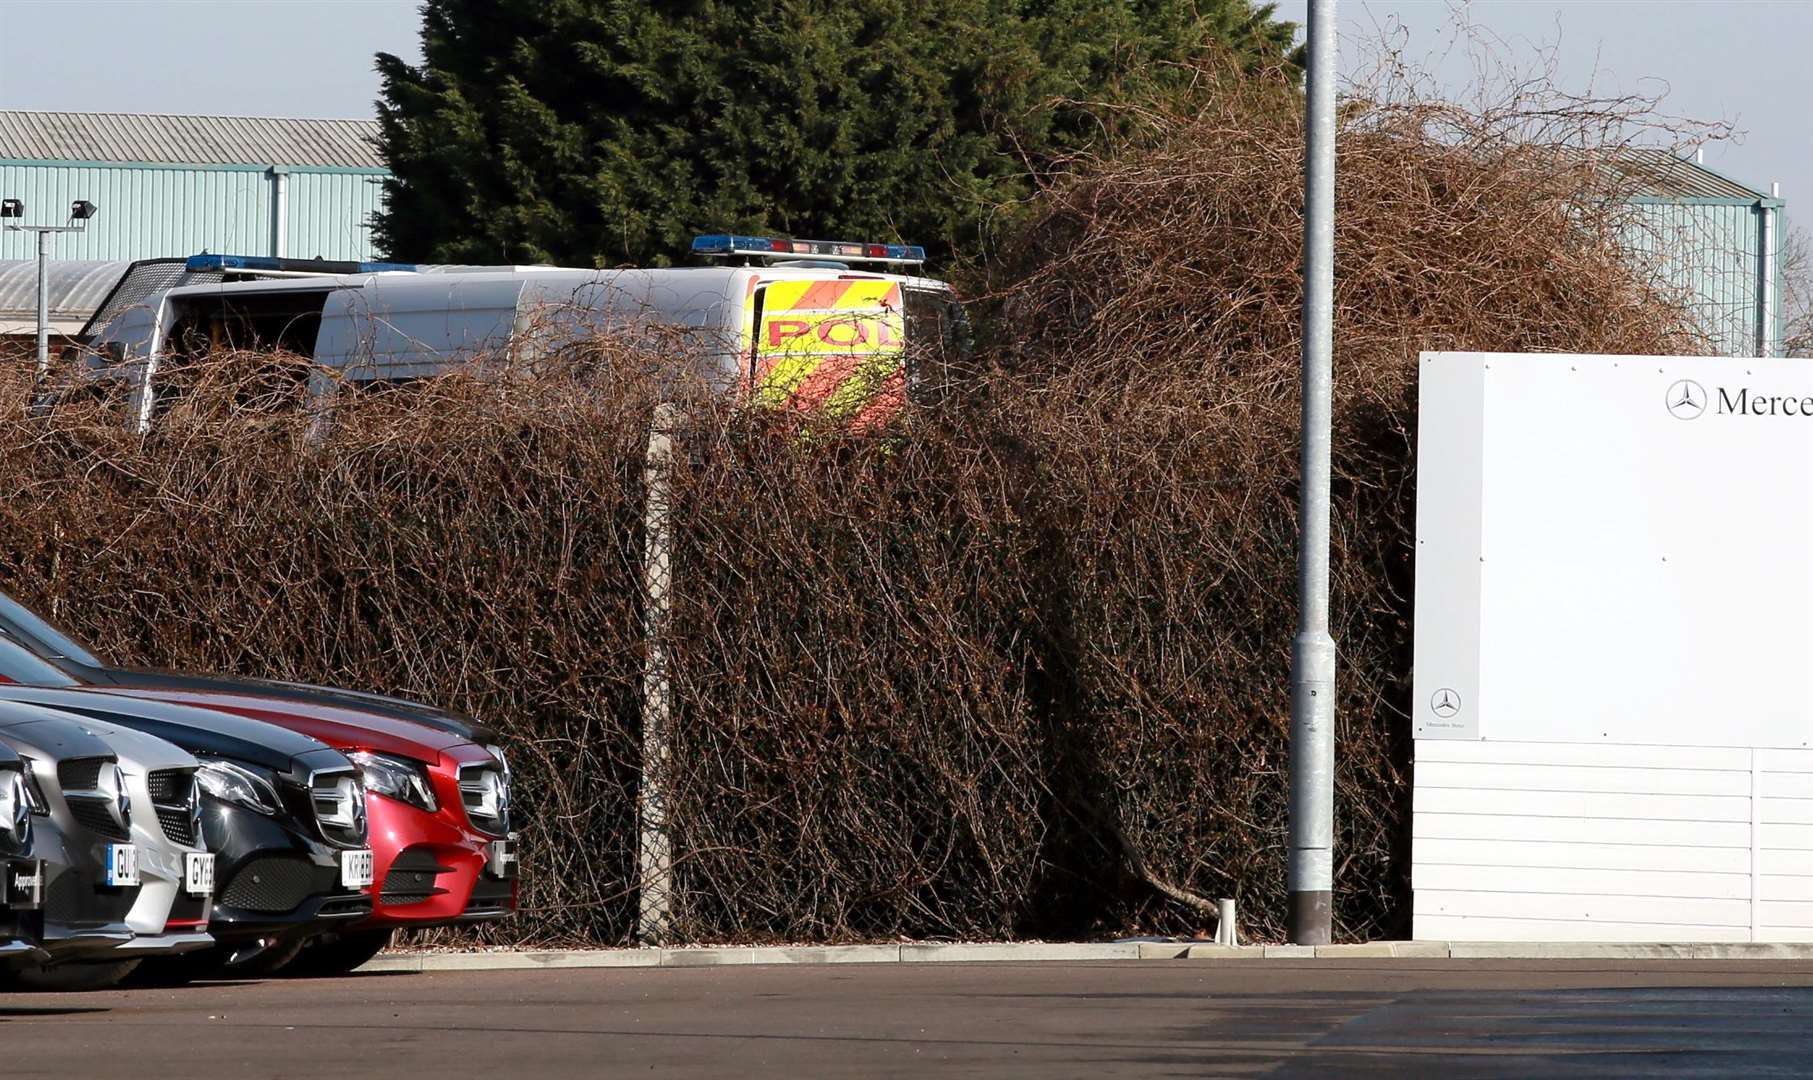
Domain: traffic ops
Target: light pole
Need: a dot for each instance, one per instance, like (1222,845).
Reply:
(1309,916)
(80,212)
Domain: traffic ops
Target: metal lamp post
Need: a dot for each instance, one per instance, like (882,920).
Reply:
(80,212)
(1309,916)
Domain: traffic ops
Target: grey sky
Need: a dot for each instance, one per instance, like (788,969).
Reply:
(233,57)
(1744,61)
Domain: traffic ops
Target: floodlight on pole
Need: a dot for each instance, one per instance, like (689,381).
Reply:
(81,211)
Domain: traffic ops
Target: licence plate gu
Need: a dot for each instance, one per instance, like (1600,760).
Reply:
(122,865)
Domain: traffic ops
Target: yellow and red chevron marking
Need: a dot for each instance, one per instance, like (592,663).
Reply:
(831,344)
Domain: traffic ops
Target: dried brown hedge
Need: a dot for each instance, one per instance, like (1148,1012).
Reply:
(1017,669)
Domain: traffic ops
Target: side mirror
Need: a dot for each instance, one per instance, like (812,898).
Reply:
(113,353)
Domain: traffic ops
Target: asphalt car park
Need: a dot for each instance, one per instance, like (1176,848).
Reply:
(1453,1018)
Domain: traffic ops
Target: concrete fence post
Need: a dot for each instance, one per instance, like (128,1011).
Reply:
(654,848)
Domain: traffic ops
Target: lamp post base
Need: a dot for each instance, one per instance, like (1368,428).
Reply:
(1309,918)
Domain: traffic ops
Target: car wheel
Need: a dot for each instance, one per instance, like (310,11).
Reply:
(267,962)
(70,978)
(338,954)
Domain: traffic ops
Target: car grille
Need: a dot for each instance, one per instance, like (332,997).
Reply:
(81,774)
(353,906)
(270,884)
(170,785)
(324,800)
(488,813)
(173,794)
(412,878)
(179,827)
(96,815)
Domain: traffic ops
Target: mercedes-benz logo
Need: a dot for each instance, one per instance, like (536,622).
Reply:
(195,812)
(112,783)
(1686,399)
(1445,703)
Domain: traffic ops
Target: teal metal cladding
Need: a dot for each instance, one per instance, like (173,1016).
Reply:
(1712,252)
(153,211)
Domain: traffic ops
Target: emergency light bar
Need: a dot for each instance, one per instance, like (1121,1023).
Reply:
(833,249)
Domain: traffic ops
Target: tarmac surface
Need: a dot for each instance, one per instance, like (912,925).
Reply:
(1451,1018)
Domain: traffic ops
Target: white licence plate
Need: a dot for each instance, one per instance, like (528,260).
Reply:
(122,864)
(198,873)
(355,868)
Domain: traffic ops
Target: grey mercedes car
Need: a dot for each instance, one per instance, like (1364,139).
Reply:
(110,882)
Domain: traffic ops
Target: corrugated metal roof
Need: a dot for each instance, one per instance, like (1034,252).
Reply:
(1660,174)
(76,287)
(150,139)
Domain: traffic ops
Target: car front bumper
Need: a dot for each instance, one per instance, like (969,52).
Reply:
(429,869)
(271,879)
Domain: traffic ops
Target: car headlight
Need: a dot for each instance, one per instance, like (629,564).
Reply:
(34,795)
(15,814)
(396,778)
(238,785)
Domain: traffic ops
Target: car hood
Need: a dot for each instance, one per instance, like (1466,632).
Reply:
(337,726)
(199,731)
(308,693)
(137,750)
(49,735)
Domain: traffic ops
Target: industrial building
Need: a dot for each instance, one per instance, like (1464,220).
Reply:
(179,185)
(1715,240)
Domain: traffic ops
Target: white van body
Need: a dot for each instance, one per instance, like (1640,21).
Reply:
(740,324)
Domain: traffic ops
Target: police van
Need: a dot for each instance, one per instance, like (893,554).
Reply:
(839,326)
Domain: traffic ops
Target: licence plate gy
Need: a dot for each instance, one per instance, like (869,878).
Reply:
(198,873)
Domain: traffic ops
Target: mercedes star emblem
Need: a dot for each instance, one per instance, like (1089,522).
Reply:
(1686,400)
(1445,703)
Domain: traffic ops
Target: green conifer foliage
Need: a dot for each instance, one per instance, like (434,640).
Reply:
(609,132)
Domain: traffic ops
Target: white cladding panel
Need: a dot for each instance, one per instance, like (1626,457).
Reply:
(1520,841)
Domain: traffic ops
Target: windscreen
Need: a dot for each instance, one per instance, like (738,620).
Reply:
(43,637)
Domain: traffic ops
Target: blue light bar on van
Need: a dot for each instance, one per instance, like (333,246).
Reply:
(293,266)
(841,250)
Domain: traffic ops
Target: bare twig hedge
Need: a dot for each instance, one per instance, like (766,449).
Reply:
(1015,668)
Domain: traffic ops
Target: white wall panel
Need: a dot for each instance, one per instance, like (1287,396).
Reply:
(1476,928)
(1582,778)
(1791,888)
(1578,881)
(1515,855)
(1586,907)
(1582,804)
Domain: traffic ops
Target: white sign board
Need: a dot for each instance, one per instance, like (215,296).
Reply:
(1614,549)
